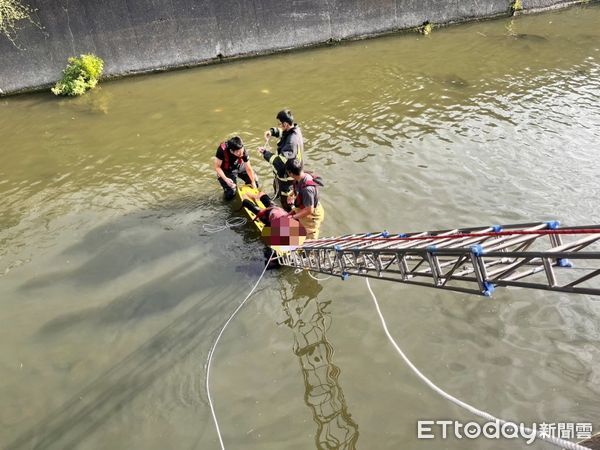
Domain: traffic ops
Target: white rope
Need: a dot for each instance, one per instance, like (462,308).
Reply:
(297,271)
(212,350)
(317,278)
(229,223)
(551,439)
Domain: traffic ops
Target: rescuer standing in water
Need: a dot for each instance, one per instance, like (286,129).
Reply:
(307,208)
(290,146)
(232,161)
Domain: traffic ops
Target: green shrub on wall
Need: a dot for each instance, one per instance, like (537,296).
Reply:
(80,75)
(11,12)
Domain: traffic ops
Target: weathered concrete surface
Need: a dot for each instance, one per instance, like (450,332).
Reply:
(135,36)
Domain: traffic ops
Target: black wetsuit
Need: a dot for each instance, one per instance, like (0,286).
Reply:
(265,200)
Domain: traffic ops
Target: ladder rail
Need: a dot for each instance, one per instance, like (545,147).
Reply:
(473,260)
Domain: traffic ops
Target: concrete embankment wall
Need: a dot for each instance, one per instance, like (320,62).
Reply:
(134,36)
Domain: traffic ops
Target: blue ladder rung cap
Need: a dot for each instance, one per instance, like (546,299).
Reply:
(337,248)
(432,249)
(385,233)
(345,276)
(564,262)
(497,228)
(488,288)
(552,224)
(402,235)
(477,250)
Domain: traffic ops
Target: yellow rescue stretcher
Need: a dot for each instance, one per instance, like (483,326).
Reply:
(248,192)
(242,193)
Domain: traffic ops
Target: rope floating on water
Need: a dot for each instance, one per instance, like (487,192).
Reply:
(229,223)
(212,350)
(297,271)
(551,439)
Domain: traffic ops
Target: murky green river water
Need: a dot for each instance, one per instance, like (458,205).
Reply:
(111,292)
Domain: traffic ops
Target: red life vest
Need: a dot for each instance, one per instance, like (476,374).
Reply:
(298,187)
(227,165)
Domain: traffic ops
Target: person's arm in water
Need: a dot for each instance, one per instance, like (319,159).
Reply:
(221,174)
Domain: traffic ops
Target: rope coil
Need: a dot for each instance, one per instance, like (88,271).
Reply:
(229,223)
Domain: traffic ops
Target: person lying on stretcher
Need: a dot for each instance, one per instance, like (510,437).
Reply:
(281,232)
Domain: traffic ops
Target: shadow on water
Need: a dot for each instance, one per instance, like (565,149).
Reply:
(144,238)
(309,320)
(161,294)
(139,243)
(116,253)
(89,408)
(180,268)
